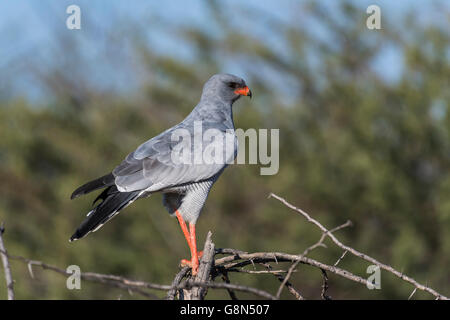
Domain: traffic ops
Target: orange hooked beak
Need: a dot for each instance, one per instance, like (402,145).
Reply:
(245,91)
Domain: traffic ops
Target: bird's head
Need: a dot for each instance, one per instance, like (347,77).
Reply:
(225,86)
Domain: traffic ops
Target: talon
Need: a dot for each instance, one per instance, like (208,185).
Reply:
(186,262)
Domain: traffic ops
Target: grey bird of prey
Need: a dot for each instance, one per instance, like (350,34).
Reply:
(155,166)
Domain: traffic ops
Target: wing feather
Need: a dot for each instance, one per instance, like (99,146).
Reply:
(152,167)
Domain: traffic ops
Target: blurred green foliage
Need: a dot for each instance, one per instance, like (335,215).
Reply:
(352,146)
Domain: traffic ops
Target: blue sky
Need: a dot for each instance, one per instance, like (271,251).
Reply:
(27,26)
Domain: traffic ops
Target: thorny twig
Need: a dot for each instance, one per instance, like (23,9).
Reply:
(286,283)
(308,250)
(360,254)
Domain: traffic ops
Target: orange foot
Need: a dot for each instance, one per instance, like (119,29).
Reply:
(194,265)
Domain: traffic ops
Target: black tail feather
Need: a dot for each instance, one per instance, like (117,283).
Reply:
(102,182)
(105,194)
(113,202)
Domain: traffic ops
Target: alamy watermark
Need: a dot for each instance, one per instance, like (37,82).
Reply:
(74,280)
(74,20)
(373,22)
(374,280)
(213,146)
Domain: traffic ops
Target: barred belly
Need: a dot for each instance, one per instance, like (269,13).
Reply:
(188,199)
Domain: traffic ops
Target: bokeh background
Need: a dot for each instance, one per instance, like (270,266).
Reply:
(364,135)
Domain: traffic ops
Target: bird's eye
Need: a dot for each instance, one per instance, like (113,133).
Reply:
(233,85)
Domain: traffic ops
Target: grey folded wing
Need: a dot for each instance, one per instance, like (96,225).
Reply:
(160,162)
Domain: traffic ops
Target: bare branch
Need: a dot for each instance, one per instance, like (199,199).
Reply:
(359,254)
(243,259)
(234,261)
(340,258)
(412,293)
(274,272)
(308,250)
(6,266)
(323,294)
(226,279)
(286,283)
(133,285)
(204,270)
(258,292)
(175,283)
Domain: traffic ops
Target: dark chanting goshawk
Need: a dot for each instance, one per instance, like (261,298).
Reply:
(150,168)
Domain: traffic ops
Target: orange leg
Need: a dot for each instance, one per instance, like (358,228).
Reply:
(194,253)
(192,242)
(183,228)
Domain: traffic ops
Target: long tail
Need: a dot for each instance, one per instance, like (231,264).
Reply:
(112,202)
(100,183)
